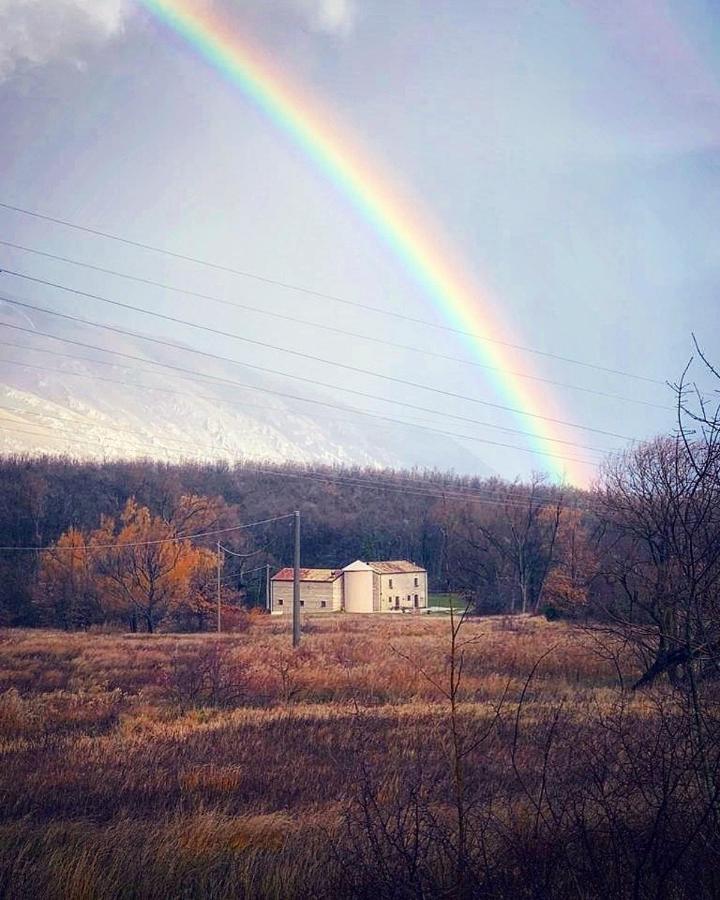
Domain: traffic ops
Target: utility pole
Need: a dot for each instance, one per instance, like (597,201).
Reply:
(219,627)
(296,584)
(267,587)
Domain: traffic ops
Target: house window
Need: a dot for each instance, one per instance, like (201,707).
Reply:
(417,582)
(390,583)
(302,603)
(323,603)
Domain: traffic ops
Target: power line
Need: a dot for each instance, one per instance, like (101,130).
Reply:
(308,400)
(173,540)
(456,492)
(246,572)
(468,437)
(349,409)
(87,419)
(226,359)
(114,365)
(102,444)
(154,388)
(322,295)
(465,495)
(330,328)
(241,576)
(146,444)
(297,353)
(240,555)
(469,495)
(428,491)
(383,486)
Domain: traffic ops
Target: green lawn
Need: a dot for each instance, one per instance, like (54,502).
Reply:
(446,600)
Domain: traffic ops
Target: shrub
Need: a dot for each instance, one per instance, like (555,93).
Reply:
(205,674)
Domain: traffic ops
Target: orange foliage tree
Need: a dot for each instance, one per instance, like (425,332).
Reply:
(67,590)
(140,568)
(144,566)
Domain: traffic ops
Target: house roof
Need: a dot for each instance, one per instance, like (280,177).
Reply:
(317,575)
(358,566)
(395,567)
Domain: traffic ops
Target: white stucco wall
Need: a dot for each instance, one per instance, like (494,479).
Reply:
(402,593)
(312,596)
(358,591)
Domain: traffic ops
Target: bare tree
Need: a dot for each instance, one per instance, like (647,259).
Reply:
(507,549)
(659,504)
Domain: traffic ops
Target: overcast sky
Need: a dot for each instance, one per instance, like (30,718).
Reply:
(568,151)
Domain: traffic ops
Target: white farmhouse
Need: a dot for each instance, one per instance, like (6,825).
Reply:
(361,587)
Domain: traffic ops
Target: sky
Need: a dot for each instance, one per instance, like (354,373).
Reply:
(563,154)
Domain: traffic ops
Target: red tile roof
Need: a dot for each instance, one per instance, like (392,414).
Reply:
(395,567)
(318,575)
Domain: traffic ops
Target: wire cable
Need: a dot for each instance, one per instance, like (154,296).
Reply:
(327,404)
(349,409)
(220,450)
(297,353)
(459,491)
(186,349)
(460,494)
(329,328)
(593,463)
(320,294)
(240,555)
(173,540)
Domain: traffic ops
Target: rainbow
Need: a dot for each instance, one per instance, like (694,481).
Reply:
(400,223)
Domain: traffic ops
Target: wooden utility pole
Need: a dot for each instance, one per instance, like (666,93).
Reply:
(296,584)
(267,587)
(219,565)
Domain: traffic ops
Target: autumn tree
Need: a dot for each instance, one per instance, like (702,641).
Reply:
(67,590)
(145,567)
(142,567)
(198,608)
(194,514)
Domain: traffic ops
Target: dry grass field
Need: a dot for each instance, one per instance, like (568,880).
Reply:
(185,766)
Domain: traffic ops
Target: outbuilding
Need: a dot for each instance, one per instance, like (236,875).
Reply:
(321,590)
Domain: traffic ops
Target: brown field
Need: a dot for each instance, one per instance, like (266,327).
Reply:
(184,766)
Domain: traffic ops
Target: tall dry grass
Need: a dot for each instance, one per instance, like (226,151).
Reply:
(231,766)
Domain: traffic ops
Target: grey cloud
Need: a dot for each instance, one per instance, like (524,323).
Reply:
(328,16)
(36,32)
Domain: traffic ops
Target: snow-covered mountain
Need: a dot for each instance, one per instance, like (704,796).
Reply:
(63,397)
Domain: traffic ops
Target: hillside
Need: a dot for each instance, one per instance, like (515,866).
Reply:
(60,396)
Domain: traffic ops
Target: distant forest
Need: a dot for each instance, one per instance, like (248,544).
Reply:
(347,513)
